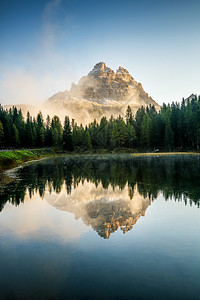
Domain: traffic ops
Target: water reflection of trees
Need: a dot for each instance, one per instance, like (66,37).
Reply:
(175,177)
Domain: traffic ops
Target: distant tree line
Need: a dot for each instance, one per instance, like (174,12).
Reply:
(175,126)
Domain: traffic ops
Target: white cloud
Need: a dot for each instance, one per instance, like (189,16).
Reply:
(44,71)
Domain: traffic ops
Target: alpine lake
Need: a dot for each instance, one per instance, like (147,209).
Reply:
(101,227)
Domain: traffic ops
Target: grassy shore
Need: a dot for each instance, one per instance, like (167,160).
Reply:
(164,153)
(11,159)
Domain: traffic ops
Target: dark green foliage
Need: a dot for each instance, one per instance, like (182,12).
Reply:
(48,137)
(67,135)
(138,122)
(86,140)
(129,115)
(175,126)
(1,132)
(119,133)
(57,131)
(29,138)
(40,130)
(169,136)
(15,136)
(131,136)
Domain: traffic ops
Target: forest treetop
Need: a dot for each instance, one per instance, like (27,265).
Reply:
(174,126)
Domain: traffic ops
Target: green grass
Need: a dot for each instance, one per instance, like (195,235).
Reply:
(164,153)
(9,159)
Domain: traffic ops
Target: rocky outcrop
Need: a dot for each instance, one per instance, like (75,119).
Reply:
(102,84)
(101,92)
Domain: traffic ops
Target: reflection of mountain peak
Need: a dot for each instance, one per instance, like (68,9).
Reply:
(104,210)
(106,217)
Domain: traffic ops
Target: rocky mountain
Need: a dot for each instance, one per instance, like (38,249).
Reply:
(101,92)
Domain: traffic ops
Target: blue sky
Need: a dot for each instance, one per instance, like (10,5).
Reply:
(47,45)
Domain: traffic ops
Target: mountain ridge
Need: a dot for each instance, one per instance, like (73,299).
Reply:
(103,83)
(101,93)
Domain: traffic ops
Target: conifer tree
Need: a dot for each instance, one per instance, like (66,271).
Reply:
(29,132)
(67,135)
(146,131)
(169,137)
(1,133)
(42,136)
(119,133)
(56,124)
(131,136)
(129,115)
(40,130)
(87,141)
(48,137)
(102,133)
(15,136)
(55,138)
(138,122)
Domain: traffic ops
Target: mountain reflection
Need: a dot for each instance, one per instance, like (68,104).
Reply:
(106,217)
(107,192)
(104,210)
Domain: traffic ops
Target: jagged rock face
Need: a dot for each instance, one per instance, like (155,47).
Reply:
(102,92)
(103,83)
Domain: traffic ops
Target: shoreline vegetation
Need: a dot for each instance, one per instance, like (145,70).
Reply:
(14,158)
(173,127)
(173,130)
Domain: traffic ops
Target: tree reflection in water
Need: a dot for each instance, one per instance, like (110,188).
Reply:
(142,179)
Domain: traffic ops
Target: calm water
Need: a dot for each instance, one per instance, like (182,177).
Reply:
(113,227)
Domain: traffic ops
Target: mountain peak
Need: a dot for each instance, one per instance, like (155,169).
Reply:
(124,75)
(102,84)
(104,92)
(122,70)
(100,66)
(100,70)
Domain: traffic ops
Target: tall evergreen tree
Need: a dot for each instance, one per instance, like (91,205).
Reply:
(129,115)
(67,135)
(1,133)
(48,136)
(15,136)
(86,140)
(55,138)
(138,122)
(102,133)
(29,132)
(40,130)
(146,131)
(131,136)
(119,133)
(56,124)
(169,137)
